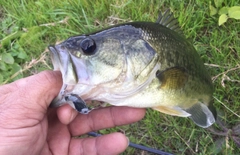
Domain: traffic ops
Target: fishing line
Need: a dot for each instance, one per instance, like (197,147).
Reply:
(137,146)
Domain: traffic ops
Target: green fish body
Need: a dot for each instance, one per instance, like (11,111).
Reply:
(137,64)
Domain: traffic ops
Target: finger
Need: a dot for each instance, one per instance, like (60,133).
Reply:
(105,118)
(111,144)
(39,89)
(58,138)
(66,114)
(44,86)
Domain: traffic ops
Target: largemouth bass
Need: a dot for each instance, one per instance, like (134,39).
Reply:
(137,64)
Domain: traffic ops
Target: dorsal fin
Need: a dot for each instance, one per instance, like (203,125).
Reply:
(167,19)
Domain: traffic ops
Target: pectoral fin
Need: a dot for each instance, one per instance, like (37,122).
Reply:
(172,78)
(202,115)
(175,111)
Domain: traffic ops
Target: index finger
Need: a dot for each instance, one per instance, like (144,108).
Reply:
(105,118)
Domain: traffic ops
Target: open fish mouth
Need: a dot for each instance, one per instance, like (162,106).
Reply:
(61,60)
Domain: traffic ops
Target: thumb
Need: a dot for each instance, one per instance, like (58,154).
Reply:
(44,86)
(36,90)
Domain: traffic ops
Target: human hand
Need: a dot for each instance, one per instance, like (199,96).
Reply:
(27,126)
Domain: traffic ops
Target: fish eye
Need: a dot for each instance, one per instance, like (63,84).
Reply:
(88,46)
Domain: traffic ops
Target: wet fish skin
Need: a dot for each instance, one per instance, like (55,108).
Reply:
(138,64)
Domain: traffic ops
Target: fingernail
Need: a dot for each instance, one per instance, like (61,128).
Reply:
(128,141)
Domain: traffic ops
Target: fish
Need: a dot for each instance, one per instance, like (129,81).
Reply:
(140,64)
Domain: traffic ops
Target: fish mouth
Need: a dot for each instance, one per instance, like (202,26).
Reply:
(61,60)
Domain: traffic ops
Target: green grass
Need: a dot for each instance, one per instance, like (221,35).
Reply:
(28,27)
